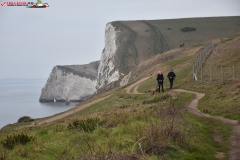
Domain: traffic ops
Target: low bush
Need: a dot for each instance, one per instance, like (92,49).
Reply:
(157,99)
(25,119)
(85,125)
(16,138)
(124,106)
(59,128)
(188,29)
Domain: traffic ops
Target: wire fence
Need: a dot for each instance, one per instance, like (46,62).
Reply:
(218,74)
(200,58)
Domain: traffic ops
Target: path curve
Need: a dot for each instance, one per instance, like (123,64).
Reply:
(192,108)
(135,86)
(234,153)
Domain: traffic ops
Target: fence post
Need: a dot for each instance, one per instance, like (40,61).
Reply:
(234,72)
(193,71)
(222,72)
(210,74)
(201,75)
(196,73)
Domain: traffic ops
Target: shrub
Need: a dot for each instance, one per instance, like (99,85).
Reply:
(157,99)
(188,29)
(4,155)
(124,106)
(16,138)
(85,125)
(43,132)
(58,128)
(25,119)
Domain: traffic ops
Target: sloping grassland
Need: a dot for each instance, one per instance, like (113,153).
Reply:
(140,126)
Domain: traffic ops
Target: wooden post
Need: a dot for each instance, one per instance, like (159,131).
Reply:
(196,75)
(201,75)
(193,71)
(210,74)
(234,72)
(222,72)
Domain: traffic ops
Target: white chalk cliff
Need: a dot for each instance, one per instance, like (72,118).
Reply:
(107,71)
(127,44)
(70,83)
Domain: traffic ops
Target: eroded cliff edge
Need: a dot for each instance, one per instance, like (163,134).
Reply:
(70,83)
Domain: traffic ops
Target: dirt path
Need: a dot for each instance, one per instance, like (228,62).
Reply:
(81,107)
(234,153)
(72,111)
(235,137)
(134,86)
(192,108)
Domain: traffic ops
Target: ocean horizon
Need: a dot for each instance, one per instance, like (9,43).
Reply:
(20,97)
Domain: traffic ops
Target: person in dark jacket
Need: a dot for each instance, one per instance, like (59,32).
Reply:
(160,79)
(171,76)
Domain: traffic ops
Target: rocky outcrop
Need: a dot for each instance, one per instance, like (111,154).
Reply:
(70,83)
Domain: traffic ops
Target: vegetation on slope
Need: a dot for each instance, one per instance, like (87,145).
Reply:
(158,127)
(139,126)
(222,97)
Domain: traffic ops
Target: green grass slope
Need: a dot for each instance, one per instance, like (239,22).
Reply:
(222,97)
(141,126)
(207,28)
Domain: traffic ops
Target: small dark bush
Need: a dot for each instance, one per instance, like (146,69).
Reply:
(188,29)
(156,99)
(16,138)
(124,106)
(146,102)
(4,155)
(43,132)
(85,125)
(58,128)
(25,119)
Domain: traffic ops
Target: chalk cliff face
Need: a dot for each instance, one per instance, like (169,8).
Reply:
(70,83)
(107,71)
(127,43)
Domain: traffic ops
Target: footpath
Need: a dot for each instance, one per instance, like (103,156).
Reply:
(234,153)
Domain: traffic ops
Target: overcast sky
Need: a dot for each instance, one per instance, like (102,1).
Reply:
(33,41)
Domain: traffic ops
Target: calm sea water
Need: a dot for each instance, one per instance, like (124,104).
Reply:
(19,97)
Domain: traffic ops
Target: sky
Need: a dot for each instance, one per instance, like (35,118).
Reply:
(69,32)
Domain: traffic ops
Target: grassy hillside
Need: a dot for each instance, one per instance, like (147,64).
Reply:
(222,97)
(140,40)
(140,126)
(207,28)
(86,70)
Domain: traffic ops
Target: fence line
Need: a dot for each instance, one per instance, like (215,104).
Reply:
(219,74)
(200,58)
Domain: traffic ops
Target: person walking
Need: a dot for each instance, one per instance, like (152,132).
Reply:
(171,76)
(160,79)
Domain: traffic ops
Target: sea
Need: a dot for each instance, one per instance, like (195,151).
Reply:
(20,97)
